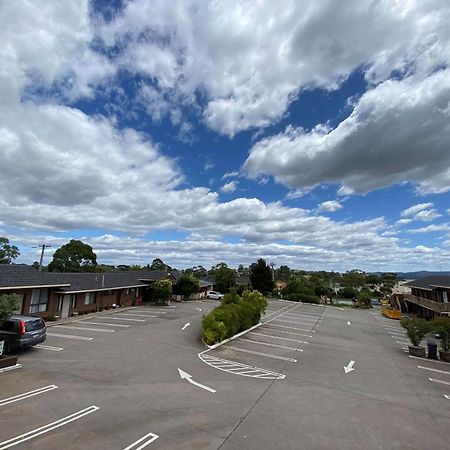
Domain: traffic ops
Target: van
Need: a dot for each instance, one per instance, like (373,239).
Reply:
(21,332)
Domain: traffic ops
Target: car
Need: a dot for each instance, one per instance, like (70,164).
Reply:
(214,295)
(21,332)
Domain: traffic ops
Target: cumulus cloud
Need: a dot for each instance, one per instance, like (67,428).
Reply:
(232,174)
(329,206)
(229,188)
(381,143)
(413,210)
(421,211)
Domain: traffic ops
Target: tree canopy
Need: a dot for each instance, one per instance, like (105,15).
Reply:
(158,264)
(261,276)
(8,252)
(225,278)
(186,285)
(74,256)
(8,304)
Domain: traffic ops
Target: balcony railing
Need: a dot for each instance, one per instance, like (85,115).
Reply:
(439,307)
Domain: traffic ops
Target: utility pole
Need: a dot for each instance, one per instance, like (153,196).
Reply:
(43,246)
(273,270)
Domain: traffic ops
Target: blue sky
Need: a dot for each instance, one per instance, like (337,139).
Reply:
(200,132)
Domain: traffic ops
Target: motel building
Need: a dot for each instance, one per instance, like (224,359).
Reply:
(61,295)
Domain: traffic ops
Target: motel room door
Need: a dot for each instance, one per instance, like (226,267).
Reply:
(65,306)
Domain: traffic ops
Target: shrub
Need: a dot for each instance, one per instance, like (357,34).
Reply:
(416,329)
(299,297)
(441,326)
(233,315)
(50,318)
(8,303)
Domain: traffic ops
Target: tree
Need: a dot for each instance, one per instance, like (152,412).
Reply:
(158,264)
(8,252)
(353,278)
(161,291)
(283,273)
(8,304)
(261,276)
(186,285)
(225,278)
(74,256)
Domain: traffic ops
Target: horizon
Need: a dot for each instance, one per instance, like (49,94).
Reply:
(200,132)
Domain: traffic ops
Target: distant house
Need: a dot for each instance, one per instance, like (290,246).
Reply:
(429,297)
(65,294)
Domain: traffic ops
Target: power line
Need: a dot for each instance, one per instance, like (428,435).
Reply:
(43,246)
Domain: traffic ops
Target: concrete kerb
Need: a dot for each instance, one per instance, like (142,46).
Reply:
(212,347)
(89,316)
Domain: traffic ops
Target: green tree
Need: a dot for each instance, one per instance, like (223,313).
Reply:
(74,256)
(225,278)
(186,285)
(353,278)
(283,273)
(8,304)
(161,291)
(158,264)
(8,252)
(261,276)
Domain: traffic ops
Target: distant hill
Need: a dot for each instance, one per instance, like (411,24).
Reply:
(420,274)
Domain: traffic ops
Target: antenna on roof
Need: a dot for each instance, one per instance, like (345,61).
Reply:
(44,246)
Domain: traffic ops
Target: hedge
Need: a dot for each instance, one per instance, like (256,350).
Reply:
(298,297)
(235,314)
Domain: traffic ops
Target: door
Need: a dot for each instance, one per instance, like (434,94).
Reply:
(444,296)
(65,307)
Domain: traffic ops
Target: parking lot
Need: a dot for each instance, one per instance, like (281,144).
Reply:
(137,378)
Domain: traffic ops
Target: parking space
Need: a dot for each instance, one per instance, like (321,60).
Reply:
(150,384)
(263,352)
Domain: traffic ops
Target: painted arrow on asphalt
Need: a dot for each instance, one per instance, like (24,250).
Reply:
(185,376)
(349,323)
(349,367)
(186,325)
(198,309)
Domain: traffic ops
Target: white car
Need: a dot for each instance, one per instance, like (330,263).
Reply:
(214,295)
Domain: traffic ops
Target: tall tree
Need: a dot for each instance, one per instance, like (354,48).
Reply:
(283,273)
(225,278)
(261,276)
(74,256)
(186,285)
(8,252)
(158,264)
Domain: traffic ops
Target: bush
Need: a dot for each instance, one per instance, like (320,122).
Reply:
(304,298)
(50,318)
(416,329)
(8,304)
(235,314)
(441,326)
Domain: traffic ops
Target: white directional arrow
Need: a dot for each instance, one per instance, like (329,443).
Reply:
(185,376)
(198,309)
(349,323)
(186,325)
(349,367)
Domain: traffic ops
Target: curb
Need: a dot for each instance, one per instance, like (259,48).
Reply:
(88,316)
(212,347)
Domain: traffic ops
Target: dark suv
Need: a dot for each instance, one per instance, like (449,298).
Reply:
(21,332)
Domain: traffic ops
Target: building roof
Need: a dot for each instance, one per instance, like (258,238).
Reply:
(430,282)
(17,276)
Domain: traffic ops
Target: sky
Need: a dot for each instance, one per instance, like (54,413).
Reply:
(311,134)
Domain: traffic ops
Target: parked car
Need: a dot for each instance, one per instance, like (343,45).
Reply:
(214,295)
(21,332)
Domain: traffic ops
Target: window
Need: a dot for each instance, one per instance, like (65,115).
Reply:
(73,301)
(60,302)
(39,299)
(126,291)
(89,298)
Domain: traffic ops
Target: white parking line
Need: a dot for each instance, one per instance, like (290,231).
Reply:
(125,318)
(70,327)
(290,328)
(404,342)
(7,369)
(278,337)
(268,345)
(108,324)
(434,370)
(267,355)
(303,316)
(49,347)
(287,332)
(137,315)
(428,360)
(396,334)
(290,321)
(46,428)
(71,336)
(16,398)
(447,396)
(434,380)
(152,437)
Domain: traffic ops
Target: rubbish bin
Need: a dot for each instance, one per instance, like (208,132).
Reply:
(432,350)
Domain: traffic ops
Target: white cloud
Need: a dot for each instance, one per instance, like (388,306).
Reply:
(430,228)
(329,206)
(381,143)
(229,188)
(232,174)
(403,222)
(413,210)
(249,61)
